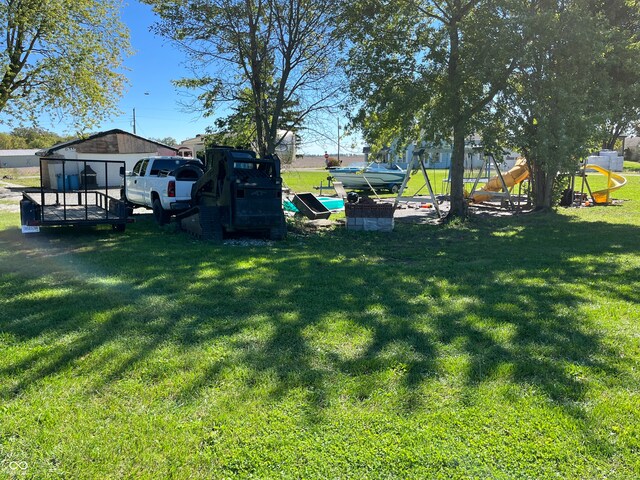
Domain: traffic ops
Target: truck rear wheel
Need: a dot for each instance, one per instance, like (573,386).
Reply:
(160,214)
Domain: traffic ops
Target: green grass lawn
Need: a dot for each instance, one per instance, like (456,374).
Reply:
(632,166)
(27,181)
(501,348)
(306,181)
(20,176)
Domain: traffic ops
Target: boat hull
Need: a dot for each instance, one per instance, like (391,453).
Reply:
(365,178)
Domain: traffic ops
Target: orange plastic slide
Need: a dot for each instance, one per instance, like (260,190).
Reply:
(519,173)
(614,182)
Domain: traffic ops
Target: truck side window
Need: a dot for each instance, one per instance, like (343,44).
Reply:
(136,169)
(143,168)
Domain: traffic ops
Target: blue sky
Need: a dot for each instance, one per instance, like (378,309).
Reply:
(150,71)
(159,114)
(152,67)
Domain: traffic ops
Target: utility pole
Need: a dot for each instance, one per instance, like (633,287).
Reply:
(134,121)
(339,162)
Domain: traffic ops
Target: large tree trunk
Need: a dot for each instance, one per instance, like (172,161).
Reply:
(458,203)
(542,187)
(614,134)
(459,207)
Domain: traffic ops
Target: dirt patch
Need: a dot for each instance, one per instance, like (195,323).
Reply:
(10,196)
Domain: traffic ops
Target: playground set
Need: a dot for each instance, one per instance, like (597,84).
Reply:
(493,184)
(574,198)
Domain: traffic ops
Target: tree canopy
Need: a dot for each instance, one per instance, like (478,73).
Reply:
(618,75)
(548,78)
(172,142)
(575,88)
(61,57)
(431,69)
(266,61)
(29,137)
(549,108)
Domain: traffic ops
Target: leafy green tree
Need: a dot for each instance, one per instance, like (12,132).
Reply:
(61,57)
(267,62)
(30,137)
(618,75)
(431,69)
(38,137)
(238,128)
(559,92)
(9,142)
(172,142)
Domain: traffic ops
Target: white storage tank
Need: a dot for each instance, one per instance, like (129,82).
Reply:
(608,159)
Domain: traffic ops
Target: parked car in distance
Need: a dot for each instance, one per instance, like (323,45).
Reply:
(162,184)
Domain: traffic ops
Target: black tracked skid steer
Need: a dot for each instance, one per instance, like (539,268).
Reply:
(238,192)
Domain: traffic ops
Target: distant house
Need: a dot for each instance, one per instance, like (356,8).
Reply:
(632,148)
(439,155)
(115,145)
(286,149)
(18,158)
(191,146)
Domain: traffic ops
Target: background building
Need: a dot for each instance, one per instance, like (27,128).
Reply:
(115,145)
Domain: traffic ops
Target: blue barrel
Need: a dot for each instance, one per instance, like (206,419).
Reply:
(60,182)
(73,182)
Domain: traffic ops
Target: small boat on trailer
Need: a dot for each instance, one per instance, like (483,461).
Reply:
(385,176)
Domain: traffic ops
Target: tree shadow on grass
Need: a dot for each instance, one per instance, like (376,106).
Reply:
(309,314)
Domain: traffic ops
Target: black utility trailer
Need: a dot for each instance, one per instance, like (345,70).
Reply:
(70,194)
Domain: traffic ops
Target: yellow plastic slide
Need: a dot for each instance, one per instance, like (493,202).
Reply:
(519,173)
(614,182)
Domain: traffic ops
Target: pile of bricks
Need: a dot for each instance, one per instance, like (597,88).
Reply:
(369,216)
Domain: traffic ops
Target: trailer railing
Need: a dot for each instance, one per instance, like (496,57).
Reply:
(73,193)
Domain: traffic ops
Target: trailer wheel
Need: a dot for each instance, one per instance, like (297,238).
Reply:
(118,227)
(395,188)
(160,214)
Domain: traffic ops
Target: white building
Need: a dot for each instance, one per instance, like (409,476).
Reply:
(18,158)
(286,149)
(114,145)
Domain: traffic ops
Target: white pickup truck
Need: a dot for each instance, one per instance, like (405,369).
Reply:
(162,184)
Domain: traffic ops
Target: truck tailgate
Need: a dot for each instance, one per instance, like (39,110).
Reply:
(183,189)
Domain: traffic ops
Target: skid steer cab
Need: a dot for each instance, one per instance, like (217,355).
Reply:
(238,192)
